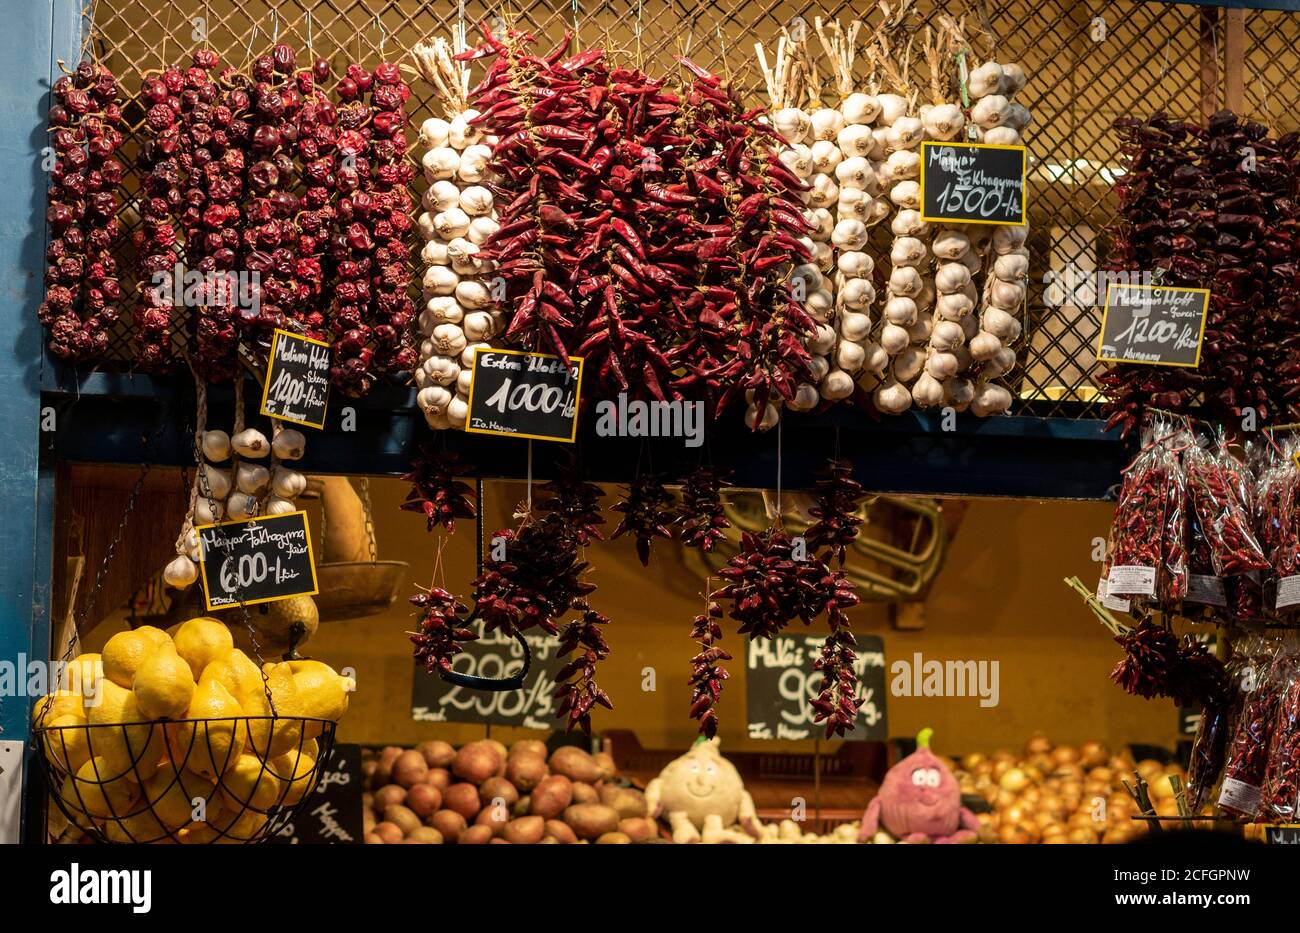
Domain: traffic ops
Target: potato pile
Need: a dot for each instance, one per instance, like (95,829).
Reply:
(485,793)
(1063,794)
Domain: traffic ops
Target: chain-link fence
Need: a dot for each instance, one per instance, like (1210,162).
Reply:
(1088,63)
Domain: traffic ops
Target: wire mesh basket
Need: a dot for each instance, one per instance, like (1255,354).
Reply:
(235,780)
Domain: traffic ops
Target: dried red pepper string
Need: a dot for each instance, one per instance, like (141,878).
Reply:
(436,490)
(701,513)
(1282,779)
(1247,760)
(1222,519)
(82,290)
(645,514)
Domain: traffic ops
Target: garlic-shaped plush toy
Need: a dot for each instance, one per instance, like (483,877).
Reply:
(703,798)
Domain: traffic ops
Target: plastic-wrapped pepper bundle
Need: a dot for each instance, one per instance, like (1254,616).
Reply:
(1149,557)
(1165,203)
(458,218)
(1278,527)
(1263,679)
(1282,779)
(1222,517)
(1210,745)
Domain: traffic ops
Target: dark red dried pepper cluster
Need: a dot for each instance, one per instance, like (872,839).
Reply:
(837,497)
(707,673)
(1157,663)
(768,586)
(1221,511)
(81,287)
(701,514)
(317,136)
(1213,207)
(372,313)
(577,689)
(620,244)
(644,514)
(1164,227)
(436,491)
(536,583)
(443,629)
(215,137)
(575,501)
(1282,778)
(157,240)
(1248,750)
(1149,530)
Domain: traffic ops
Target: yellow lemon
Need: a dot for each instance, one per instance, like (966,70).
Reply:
(296,770)
(225,827)
(321,691)
(137,828)
(211,746)
(67,743)
(164,686)
(94,791)
(64,704)
(156,636)
(123,655)
(84,673)
(250,783)
(201,641)
(130,750)
(174,795)
(238,674)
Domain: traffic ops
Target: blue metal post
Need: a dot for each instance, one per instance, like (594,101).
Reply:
(36,34)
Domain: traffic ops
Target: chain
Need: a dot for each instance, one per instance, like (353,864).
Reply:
(370,522)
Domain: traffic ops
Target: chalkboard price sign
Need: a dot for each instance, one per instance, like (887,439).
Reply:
(973,183)
(493,656)
(297,380)
(1153,325)
(1287,835)
(333,812)
(780,679)
(256,560)
(522,394)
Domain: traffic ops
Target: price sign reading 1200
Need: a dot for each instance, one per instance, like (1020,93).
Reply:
(257,560)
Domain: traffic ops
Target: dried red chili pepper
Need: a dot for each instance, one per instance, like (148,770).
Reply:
(443,632)
(837,497)
(707,674)
(435,489)
(644,515)
(317,137)
(82,291)
(156,241)
(1247,762)
(1282,779)
(701,513)
(577,689)
(1223,520)
(536,583)
(575,501)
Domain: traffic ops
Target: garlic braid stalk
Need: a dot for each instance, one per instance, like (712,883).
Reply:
(787,79)
(459,215)
(1000,120)
(246,489)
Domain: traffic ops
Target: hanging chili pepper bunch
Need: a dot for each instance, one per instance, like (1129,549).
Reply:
(645,515)
(1277,316)
(436,489)
(536,583)
(1222,515)
(1282,779)
(575,501)
(707,673)
(373,312)
(741,238)
(769,584)
(216,140)
(837,497)
(157,241)
(316,139)
(577,689)
(1165,227)
(578,184)
(701,514)
(82,290)
(1265,678)
(1157,663)
(443,629)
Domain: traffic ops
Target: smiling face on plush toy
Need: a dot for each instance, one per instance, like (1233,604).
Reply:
(920,795)
(701,783)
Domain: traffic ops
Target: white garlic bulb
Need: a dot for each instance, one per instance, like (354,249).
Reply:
(859,108)
(252,478)
(251,442)
(241,505)
(180,572)
(287,483)
(216,446)
(289,444)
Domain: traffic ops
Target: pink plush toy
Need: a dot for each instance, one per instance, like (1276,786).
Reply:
(919,801)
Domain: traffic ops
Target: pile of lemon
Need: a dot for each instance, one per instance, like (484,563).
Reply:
(181,763)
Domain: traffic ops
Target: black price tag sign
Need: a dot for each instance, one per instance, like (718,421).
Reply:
(297,380)
(973,183)
(494,656)
(1285,835)
(334,812)
(780,679)
(1153,325)
(522,394)
(258,560)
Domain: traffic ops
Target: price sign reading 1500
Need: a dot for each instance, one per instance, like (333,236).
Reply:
(956,198)
(973,183)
